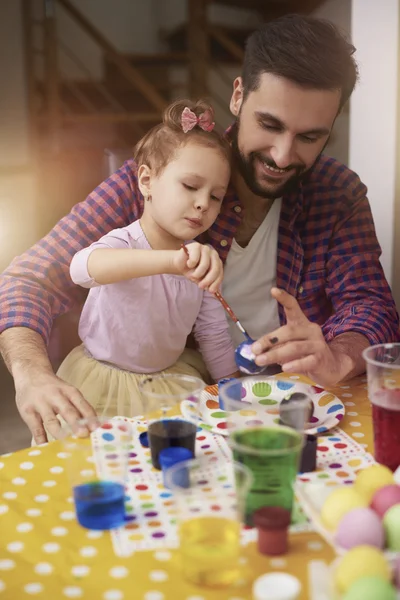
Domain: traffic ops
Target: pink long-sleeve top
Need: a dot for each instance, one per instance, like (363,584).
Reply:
(142,324)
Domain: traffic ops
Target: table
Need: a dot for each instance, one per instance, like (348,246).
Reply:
(45,554)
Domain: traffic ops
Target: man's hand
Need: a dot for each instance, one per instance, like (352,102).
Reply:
(200,264)
(41,397)
(300,347)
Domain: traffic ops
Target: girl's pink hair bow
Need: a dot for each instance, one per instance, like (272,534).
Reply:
(189,120)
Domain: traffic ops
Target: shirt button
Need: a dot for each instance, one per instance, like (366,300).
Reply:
(238,209)
(224,243)
(301,289)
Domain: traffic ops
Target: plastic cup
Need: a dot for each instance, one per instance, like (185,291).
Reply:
(98,479)
(209,499)
(162,396)
(269,449)
(383,372)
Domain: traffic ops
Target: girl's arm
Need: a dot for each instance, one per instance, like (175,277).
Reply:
(112,259)
(212,334)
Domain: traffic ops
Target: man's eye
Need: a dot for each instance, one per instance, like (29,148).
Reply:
(269,127)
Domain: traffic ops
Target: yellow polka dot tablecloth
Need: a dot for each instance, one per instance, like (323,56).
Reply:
(45,554)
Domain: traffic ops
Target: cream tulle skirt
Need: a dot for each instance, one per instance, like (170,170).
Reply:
(112,391)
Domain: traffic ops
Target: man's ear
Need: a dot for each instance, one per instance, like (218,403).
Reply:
(144,180)
(237,97)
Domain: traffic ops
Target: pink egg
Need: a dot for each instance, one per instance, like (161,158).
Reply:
(396,570)
(360,526)
(385,498)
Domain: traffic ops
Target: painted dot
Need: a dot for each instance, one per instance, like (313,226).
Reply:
(268,402)
(334,408)
(56,470)
(80,571)
(215,507)
(24,527)
(1,465)
(335,466)
(294,377)
(352,414)
(107,426)
(162,555)
(7,564)
(113,595)
(26,466)
(342,474)
(59,531)
(277,563)
(355,424)
(212,404)
(43,568)
(247,413)
(72,592)
(33,512)
(88,551)
(195,598)
(340,446)
(153,524)
(323,476)
(33,588)
(314,546)
(150,514)
(153,596)
(67,515)
(51,548)
(323,448)
(108,437)
(136,470)
(158,534)
(15,547)
(119,572)
(94,535)
(165,495)
(357,434)
(158,575)
(10,495)
(63,455)
(222,425)
(49,483)
(87,473)
(219,414)
(19,481)
(347,395)
(254,422)
(349,404)
(325,399)
(41,498)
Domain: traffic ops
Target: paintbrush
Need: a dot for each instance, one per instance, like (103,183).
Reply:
(226,306)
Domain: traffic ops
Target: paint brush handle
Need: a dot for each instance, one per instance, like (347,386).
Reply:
(226,306)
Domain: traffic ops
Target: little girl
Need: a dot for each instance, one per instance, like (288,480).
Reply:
(147,292)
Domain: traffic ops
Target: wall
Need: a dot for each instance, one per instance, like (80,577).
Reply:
(396,245)
(373,113)
(17,183)
(339,12)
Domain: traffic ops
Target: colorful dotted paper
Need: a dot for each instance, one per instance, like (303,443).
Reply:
(328,408)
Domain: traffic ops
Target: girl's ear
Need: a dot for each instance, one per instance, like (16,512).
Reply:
(144,180)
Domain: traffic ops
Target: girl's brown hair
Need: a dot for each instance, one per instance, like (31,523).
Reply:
(159,145)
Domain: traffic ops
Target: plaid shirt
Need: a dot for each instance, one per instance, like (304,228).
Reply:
(328,254)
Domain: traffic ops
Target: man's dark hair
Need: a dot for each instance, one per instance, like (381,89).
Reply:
(308,51)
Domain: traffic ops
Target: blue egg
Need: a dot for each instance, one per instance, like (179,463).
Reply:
(244,358)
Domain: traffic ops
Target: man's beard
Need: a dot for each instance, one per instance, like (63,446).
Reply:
(246,166)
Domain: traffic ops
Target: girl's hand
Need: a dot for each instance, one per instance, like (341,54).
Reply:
(200,264)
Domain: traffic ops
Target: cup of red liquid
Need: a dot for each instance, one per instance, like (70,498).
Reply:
(383,372)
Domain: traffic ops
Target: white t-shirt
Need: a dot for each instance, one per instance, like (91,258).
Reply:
(249,275)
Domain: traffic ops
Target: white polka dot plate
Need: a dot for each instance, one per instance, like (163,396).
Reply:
(328,410)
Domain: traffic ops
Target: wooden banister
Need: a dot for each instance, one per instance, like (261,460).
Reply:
(226,42)
(132,74)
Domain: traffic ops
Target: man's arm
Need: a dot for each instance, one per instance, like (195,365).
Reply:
(37,287)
